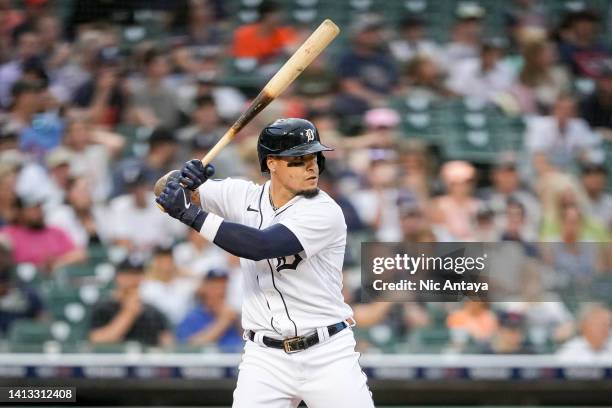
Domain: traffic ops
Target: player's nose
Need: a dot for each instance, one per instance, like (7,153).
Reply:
(311,164)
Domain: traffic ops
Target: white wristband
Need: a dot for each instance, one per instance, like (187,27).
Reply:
(211,226)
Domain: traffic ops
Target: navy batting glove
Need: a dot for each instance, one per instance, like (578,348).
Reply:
(194,174)
(176,200)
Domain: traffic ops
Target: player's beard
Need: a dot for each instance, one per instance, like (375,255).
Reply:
(308,193)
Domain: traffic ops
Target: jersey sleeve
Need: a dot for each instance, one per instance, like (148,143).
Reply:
(226,198)
(317,227)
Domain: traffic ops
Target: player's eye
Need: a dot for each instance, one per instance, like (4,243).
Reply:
(296,163)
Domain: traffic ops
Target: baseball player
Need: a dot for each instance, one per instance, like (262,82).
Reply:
(290,237)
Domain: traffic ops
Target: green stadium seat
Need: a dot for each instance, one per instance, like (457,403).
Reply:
(305,15)
(27,274)
(97,254)
(28,336)
(433,336)
(29,332)
(57,297)
(76,271)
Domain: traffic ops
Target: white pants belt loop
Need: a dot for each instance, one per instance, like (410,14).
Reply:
(323,334)
(259,339)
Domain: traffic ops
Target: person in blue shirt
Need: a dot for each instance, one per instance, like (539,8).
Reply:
(212,321)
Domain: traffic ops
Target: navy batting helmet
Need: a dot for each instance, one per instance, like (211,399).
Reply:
(290,137)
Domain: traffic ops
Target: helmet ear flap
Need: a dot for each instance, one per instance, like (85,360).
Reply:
(263,165)
(320,162)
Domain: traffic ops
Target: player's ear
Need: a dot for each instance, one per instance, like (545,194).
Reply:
(271,163)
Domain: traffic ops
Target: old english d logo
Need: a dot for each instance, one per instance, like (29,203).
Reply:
(310,135)
(282,263)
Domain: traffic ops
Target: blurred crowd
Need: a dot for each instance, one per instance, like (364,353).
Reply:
(98,99)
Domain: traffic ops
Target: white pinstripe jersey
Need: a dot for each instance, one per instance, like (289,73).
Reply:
(293,295)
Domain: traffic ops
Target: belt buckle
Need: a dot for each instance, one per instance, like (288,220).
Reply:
(294,344)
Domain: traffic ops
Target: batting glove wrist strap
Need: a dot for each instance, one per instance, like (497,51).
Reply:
(176,201)
(190,216)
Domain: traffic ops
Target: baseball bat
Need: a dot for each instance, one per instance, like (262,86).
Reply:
(308,51)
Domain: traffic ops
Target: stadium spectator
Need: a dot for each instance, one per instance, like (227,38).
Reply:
(541,82)
(573,256)
(81,65)
(454,214)
(44,133)
(134,222)
(380,133)
(10,17)
(205,121)
(526,14)
(514,226)
(594,340)
(412,42)
(125,317)
(25,103)
(594,181)
(474,322)
(382,323)
(353,221)
(425,79)
(34,10)
(367,74)
(416,168)
(548,319)
(317,86)
(102,97)
(562,135)
(212,321)
(414,224)
(58,168)
(509,338)
(9,135)
(16,301)
(28,46)
(197,256)
(377,204)
(32,241)
(54,50)
(465,34)
(8,178)
(266,39)
(579,47)
(484,77)
(596,108)
(159,159)
(92,153)
(153,102)
(506,185)
(197,24)
(559,191)
(78,216)
(207,80)
(167,287)
(486,229)
(227,161)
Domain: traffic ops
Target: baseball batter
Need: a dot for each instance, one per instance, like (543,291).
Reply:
(290,237)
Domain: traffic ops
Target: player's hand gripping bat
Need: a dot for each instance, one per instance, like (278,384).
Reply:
(307,52)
